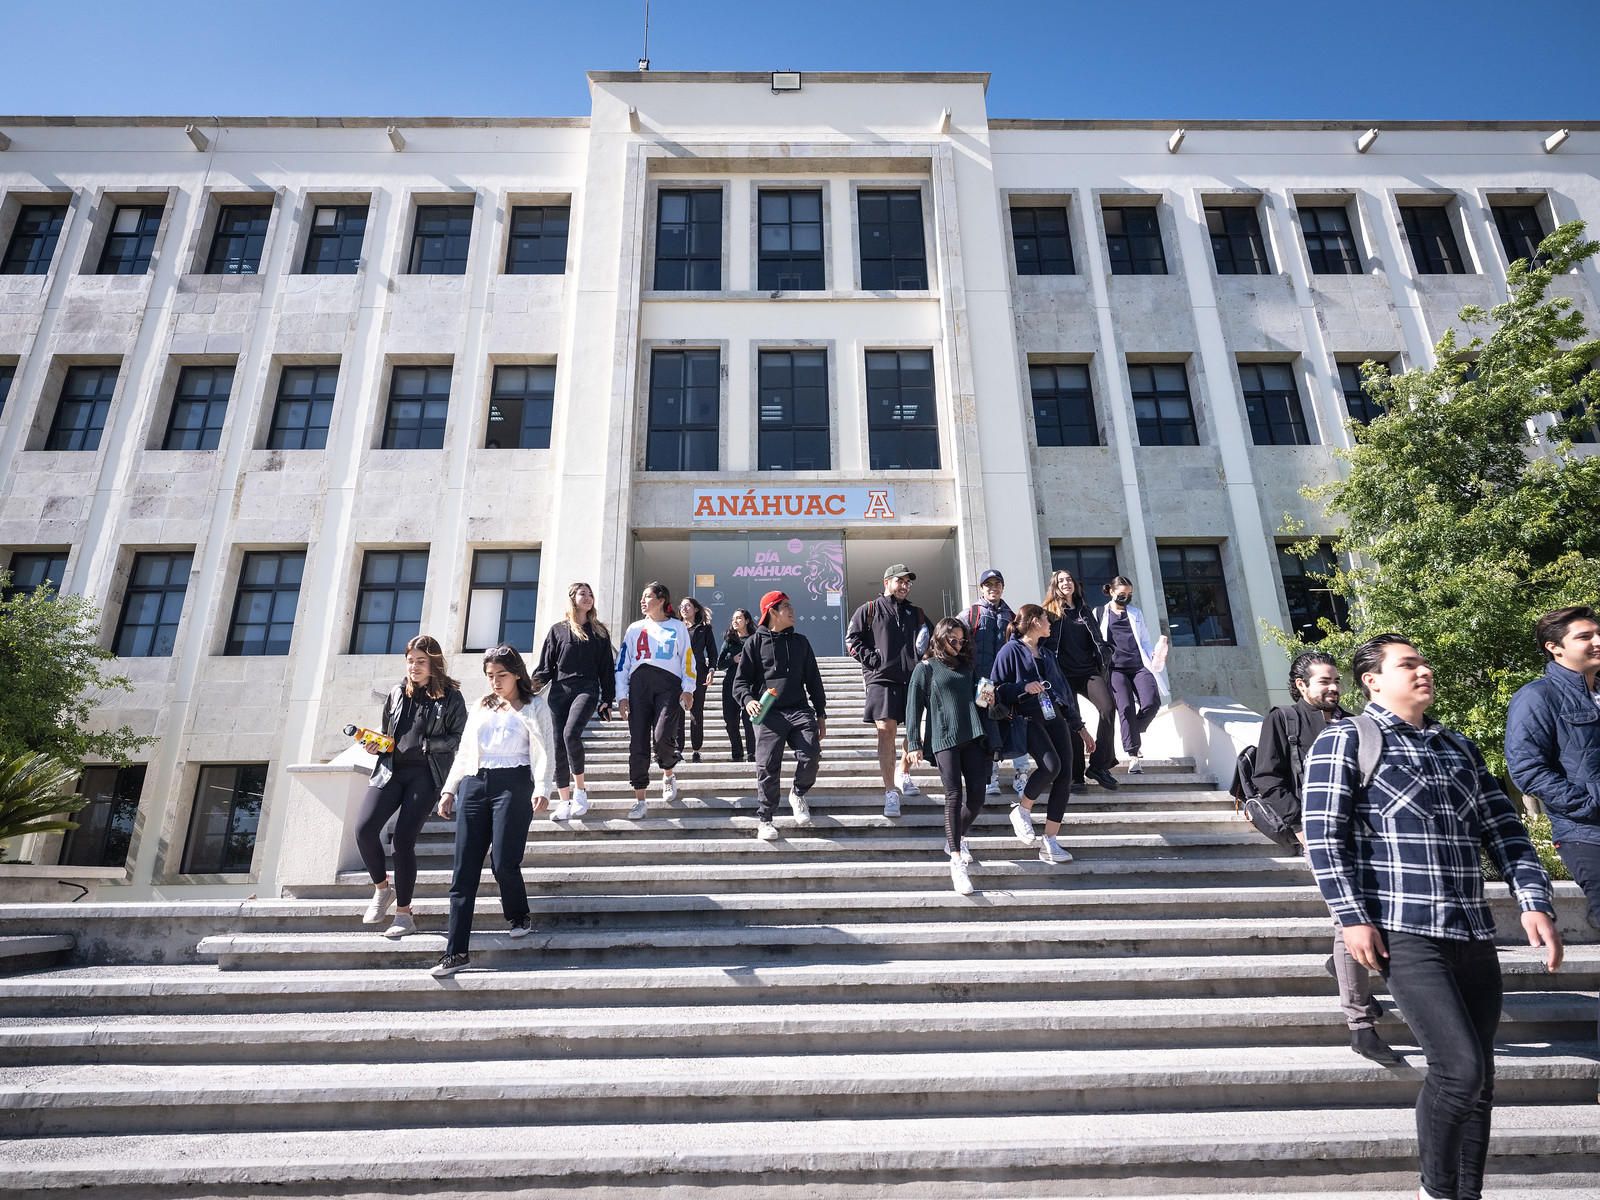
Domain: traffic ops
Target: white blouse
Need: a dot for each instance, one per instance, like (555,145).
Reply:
(503,741)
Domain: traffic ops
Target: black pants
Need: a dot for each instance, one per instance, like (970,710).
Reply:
(737,720)
(965,772)
(1449,993)
(1583,864)
(1138,700)
(412,792)
(696,722)
(1049,744)
(654,718)
(570,709)
(1105,754)
(493,811)
(795,728)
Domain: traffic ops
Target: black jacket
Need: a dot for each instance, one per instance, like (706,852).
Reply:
(703,641)
(1286,738)
(1075,640)
(883,639)
(441,722)
(784,661)
(566,656)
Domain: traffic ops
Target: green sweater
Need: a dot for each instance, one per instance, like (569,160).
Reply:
(940,712)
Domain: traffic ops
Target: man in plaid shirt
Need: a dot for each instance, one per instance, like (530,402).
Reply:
(1397,862)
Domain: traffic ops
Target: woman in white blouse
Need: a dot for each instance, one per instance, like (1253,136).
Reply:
(502,775)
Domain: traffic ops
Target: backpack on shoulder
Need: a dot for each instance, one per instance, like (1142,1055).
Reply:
(1267,819)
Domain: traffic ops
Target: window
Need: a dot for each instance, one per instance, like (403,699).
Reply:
(1133,241)
(334,247)
(419,402)
(1310,600)
(241,234)
(504,600)
(222,829)
(1577,411)
(33,240)
(1236,241)
(105,824)
(132,240)
(793,407)
(1330,244)
(538,240)
(1433,242)
(263,610)
(304,408)
(892,253)
(1063,407)
(440,240)
(1272,402)
(1091,566)
(1357,402)
(153,605)
(520,407)
(689,242)
(389,603)
(1042,242)
(1197,598)
(902,427)
(685,404)
(7,374)
(790,242)
(1521,231)
(199,409)
(31,569)
(1161,404)
(80,416)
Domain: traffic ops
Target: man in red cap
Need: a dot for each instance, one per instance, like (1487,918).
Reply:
(779,660)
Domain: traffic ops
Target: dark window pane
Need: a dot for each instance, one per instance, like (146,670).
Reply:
(1161,404)
(35,569)
(1043,245)
(689,241)
(1236,241)
(1091,566)
(80,415)
(263,610)
(902,425)
(131,241)
(1357,402)
(1310,599)
(419,403)
(790,242)
(792,411)
(1272,402)
(334,247)
(1133,241)
(1433,241)
(1330,244)
(304,408)
(199,409)
(685,409)
(33,239)
(538,243)
(440,239)
(153,605)
(222,827)
(1063,406)
(520,407)
(1197,598)
(8,374)
(389,602)
(105,823)
(893,257)
(241,234)
(1521,231)
(502,607)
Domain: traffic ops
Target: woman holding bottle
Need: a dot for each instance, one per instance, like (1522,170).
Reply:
(740,627)
(424,717)
(1084,659)
(703,641)
(942,721)
(1136,666)
(577,663)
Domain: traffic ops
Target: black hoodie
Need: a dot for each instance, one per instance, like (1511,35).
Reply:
(784,661)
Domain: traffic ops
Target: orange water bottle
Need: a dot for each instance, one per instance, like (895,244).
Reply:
(374,741)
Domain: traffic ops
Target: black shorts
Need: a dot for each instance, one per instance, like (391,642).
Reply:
(885,702)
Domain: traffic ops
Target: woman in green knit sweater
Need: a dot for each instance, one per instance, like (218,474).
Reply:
(942,723)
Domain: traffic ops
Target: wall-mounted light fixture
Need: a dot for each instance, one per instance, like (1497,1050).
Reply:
(1176,140)
(5,142)
(1553,142)
(944,121)
(1364,142)
(786,81)
(633,120)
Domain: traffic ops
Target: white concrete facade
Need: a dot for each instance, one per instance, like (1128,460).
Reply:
(587,502)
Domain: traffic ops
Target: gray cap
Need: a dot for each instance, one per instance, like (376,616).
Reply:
(898,570)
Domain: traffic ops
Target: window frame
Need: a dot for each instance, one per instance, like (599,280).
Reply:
(1062,552)
(785,395)
(47,557)
(1274,411)
(40,261)
(862,190)
(1253,239)
(1371,410)
(1059,397)
(145,240)
(455,246)
(133,590)
(122,805)
(88,434)
(511,263)
(291,371)
(1033,265)
(343,213)
(1122,209)
(427,423)
(1354,259)
(208,435)
(244,775)
(236,643)
(506,589)
(1428,251)
(691,255)
(248,262)
(8,380)
(365,585)
(1300,583)
(1188,582)
(772,282)
(1136,397)
(529,396)
(878,428)
(682,430)
(1500,213)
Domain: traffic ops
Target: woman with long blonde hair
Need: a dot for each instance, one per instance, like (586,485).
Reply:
(577,665)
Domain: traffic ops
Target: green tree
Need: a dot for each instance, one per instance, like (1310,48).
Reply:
(1461,526)
(36,795)
(52,676)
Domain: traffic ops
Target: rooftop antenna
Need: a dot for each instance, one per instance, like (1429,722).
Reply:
(644,59)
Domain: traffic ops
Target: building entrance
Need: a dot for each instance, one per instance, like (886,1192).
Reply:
(728,571)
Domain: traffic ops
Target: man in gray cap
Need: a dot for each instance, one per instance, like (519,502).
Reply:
(886,637)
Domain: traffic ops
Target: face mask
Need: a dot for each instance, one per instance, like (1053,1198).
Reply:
(1123,600)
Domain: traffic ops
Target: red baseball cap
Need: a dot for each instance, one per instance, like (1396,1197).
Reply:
(770,601)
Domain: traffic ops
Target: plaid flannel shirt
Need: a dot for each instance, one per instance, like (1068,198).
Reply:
(1403,853)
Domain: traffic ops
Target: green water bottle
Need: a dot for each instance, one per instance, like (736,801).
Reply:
(767,701)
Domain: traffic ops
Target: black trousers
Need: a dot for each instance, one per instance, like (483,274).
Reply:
(570,709)
(1105,753)
(964,769)
(1449,993)
(1583,864)
(1049,743)
(737,720)
(493,811)
(795,728)
(654,719)
(696,722)
(1138,700)
(412,792)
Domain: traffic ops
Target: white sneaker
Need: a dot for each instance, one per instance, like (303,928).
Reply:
(908,786)
(766,830)
(1022,823)
(994,781)
(958,876)
(580,804)
(382,902)
(636,813)
(403,924)
(966,855)
(669,788)
(800,809)
(1050,851)
(891,803)
(1019,781)
(1136,765)
(562,811)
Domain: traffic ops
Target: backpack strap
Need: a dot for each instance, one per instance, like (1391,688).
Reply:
(972,618)
(1369,748)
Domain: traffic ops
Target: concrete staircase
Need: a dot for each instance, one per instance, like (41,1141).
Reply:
(698,1013)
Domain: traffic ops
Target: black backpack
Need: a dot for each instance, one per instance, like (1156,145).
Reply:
(1268,820)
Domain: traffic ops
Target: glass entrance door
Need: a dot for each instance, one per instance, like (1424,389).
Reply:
(734,570)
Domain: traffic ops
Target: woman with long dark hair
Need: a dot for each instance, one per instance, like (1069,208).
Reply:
(703,641)
(655,686)
(425,716)
(942,721)
(577,663)
(1085,661)
(740,626)
(501,777)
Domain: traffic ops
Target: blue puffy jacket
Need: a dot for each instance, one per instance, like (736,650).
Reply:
(1553,751)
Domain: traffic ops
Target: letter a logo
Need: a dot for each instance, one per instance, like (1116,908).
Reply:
(878,506)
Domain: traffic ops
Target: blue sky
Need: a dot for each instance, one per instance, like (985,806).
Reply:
(1467,59)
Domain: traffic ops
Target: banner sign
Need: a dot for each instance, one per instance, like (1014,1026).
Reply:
(786,504)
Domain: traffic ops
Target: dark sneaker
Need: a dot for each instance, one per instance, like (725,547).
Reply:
(448,965)
(1368,1044)
(1103,777)
(521,927)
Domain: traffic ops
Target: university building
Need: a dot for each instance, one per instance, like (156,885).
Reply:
(279,393)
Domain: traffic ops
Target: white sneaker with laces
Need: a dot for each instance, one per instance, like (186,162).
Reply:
(908,786)
(382,902)
(580,803)
(640,807)
(1050,851)
(1019,781)
(1022,823)
(891,803)
(766,830)
(669,788)
(800,809)
(994,781)
(958,876)
(562,811)
(403,924)
(966,854)
(1136,765)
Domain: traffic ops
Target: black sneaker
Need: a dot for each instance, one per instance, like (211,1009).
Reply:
(521,927)
(1103,777)
(695,757)
(1368,1044)
(448,965)
(751,757)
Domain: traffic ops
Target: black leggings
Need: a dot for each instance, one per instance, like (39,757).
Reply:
(963,768)
(570,710)
(1050,745)
(412,792)
(737,720)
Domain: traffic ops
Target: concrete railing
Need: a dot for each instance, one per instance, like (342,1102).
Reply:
(319,835)
(1209,729)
